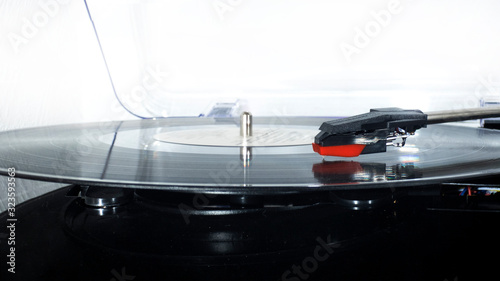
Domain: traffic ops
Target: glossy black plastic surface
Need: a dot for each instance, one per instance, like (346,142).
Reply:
(428,233)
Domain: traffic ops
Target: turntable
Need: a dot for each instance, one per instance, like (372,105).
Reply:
(391,194)
(140,202)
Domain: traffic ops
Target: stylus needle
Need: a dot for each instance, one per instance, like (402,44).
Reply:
(372,132)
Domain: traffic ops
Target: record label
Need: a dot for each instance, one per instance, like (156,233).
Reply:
(230,136)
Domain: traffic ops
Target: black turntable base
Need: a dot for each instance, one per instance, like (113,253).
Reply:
(145,202)
(429,233)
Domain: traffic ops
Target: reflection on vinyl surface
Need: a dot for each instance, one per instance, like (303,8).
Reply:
(126,154)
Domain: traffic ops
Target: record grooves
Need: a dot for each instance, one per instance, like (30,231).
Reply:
(127,155)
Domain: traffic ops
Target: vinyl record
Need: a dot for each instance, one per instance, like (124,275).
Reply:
(206,155)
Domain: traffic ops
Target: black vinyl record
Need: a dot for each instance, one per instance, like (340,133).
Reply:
(280,160)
